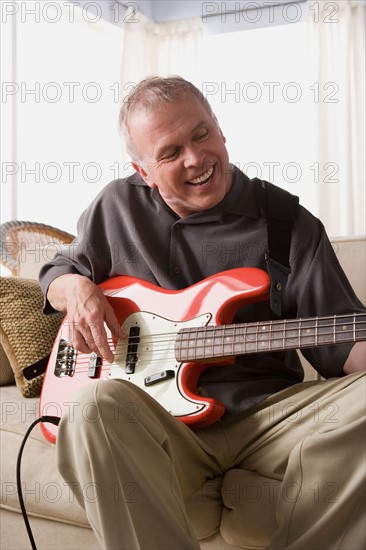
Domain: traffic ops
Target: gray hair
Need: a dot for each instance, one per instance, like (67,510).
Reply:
(149,93)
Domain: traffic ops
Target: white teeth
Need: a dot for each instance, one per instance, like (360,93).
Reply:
(202,178)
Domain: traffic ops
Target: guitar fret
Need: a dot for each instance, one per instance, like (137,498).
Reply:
(316,331)
(308,333)
(230,344)
(245,335)
(270,337)
(346,328)
(264,339)
(206,343)
(299,332)
(276,336)
(216,343)
(291,334)
(250,340)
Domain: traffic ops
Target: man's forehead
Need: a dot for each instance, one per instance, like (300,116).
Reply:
(168,119)
(145,112)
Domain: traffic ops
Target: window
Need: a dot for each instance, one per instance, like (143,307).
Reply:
(66,96)
(257,84)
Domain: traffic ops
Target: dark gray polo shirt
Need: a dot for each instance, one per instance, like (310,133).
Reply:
(129,230)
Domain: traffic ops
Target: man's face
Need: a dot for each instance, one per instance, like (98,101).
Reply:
(183,154)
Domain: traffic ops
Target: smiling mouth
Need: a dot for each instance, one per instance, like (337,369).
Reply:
(202,179)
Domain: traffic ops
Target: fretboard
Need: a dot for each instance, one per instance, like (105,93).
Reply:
(194,344)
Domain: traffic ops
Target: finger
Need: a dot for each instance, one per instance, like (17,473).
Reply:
(113,323)
(100,340)
(77,339)
(80,338)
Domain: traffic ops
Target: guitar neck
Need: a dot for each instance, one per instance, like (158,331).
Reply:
(199,344)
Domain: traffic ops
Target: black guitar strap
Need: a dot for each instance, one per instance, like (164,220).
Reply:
(280,209)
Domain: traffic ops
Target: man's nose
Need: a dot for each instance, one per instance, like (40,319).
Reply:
(194,156)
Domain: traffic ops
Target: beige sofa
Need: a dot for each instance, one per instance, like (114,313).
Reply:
(58,522)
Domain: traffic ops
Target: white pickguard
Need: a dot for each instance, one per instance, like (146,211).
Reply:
(156,354)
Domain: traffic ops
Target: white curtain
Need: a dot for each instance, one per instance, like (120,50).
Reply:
(59,125)
(337,58)
(160,48)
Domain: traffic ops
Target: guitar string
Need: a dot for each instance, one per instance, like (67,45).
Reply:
(203,342)
(274,339)
(258,328)
(283,326)
(204,334)
(240,330)
(214,332)
(84,359)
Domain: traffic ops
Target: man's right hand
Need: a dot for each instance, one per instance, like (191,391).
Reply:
(87,310)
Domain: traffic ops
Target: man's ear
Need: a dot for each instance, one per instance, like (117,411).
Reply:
(139,169)
(145,176)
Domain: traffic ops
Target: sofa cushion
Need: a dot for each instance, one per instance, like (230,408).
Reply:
(6,372)
(351,254)
(26,333)
(44,491)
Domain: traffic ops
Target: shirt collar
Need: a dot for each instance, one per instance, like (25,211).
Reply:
(241,199)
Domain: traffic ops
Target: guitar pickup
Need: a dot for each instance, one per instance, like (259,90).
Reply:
(131,361)
(159,377)
(131,358)
(95,366)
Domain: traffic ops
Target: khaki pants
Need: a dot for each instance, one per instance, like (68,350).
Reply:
(139,472)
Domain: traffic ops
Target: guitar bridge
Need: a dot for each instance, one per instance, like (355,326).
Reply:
(65,360)
(95,366)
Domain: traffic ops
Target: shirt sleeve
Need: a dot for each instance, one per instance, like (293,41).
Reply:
(89,254)
(318,286)
(112,240)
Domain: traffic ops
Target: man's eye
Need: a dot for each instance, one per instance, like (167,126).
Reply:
(171,155)
(202,135)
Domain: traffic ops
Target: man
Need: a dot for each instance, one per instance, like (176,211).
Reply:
(187,214)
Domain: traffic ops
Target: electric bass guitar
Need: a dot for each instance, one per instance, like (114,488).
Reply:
(172,336)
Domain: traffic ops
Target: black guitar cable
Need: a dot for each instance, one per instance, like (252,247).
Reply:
(53,420)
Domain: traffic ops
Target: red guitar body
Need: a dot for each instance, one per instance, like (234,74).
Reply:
(150,318)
